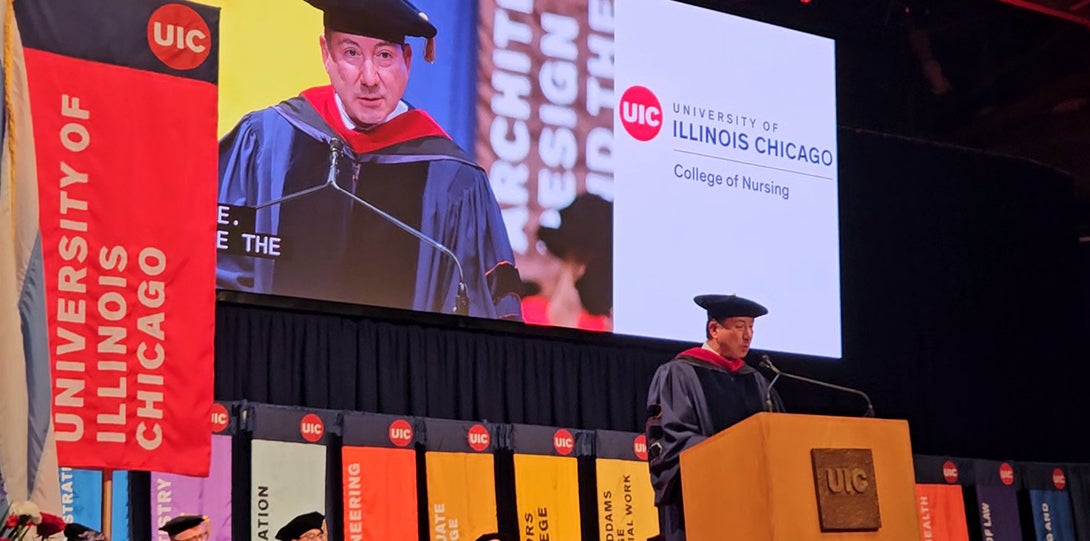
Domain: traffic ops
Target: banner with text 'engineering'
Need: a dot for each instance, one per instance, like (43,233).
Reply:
(378,468)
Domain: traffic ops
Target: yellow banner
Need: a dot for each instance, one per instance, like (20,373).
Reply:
(269,52)
(626,501)
(461,495)
(547,497)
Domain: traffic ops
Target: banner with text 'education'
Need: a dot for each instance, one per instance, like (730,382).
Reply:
(547,480)
(173,494)
(287,464)
(123,94)
(626,500)
(461,480)
(378,469)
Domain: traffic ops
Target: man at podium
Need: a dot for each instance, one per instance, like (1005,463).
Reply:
(702,391)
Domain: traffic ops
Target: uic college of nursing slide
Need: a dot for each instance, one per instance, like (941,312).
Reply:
(726,175)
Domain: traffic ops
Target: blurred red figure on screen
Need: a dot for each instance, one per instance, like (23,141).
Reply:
(575,269)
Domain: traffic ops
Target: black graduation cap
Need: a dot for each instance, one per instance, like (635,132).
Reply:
(390,20)
(586,228)
(724,306)
(301,525)
(181,523)
(75,531)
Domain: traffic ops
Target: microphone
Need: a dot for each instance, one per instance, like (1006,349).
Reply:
(767,363)
(336,148)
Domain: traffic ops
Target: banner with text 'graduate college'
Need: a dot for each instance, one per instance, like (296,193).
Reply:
(626,500)
(173,494)
(123,94)
(461,479)
(287,465)
(547,480)
(378,469)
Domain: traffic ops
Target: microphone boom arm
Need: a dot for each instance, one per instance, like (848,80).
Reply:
(765,362)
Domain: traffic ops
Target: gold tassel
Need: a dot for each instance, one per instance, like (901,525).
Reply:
(429,50)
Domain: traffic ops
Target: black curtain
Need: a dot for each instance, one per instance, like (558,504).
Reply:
(961,313)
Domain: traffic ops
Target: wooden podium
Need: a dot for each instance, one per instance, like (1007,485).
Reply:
(761,480)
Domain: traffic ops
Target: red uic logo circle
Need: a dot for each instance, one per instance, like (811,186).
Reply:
(641,113)
(563,442)
(1006,473)
(179,37)
(639,445)
(219,417)
(1059,479)
(401,433)
(311,428)
(478,438)
(950,472)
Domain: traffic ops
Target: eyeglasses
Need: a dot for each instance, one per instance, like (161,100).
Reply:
(311,536)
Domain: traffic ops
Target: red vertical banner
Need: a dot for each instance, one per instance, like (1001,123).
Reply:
(378,469)
(941,511)
(124,99)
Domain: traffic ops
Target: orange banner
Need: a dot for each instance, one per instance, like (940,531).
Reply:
(379,494)
(461,495)
(941,511)
(626,501)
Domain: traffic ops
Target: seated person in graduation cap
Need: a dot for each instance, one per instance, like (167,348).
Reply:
(78,532)
(186,528)
(306,527)
(396,158)
(702,391)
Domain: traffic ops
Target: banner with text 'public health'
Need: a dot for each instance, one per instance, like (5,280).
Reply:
(547,480)
(123,94)
(626,500)
(173,494)
(997,500)
(940,496)
(461,479)
(1049,501)
(287,465)
(378,468)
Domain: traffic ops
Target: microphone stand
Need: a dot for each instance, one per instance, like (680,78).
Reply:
(767,363)
(336,148)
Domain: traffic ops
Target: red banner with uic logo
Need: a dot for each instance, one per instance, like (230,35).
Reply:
(124,96)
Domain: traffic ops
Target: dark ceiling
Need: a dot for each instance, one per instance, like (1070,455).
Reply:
(977,73)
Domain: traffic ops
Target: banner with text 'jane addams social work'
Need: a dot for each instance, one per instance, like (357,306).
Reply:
(997,500)
(81,500)
(287,465)
(124,100)
(547,480)
(173,494)
(1045,488)
(626,500)
(940,501)
(378,468)
(461,479)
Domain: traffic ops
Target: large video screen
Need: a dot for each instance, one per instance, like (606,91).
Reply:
(578,163)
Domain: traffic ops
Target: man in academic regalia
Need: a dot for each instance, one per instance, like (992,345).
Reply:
(393,156)
(702,391)
(186,528)
(305,527)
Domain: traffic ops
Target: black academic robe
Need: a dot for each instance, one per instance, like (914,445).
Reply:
(689,400)
(337,249)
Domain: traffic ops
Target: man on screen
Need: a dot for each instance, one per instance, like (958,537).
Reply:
(702,391)
(324,244)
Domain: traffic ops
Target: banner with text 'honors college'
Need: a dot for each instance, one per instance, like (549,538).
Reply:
(123,95)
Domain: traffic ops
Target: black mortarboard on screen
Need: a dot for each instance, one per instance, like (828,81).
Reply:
(390,20)
(301,525)
(724,306)
(181,523)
